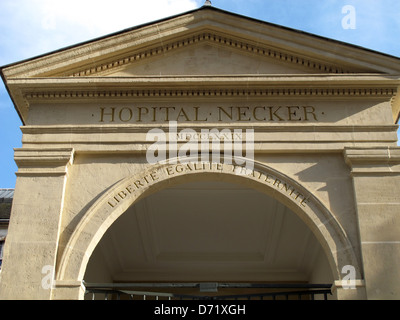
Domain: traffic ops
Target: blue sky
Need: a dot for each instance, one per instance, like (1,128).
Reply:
(33,27)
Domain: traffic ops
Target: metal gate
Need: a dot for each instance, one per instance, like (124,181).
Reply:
(207,291)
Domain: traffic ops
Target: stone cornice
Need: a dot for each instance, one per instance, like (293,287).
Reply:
(335,80)
(362,155)
(135,128)
(288,93)
(43,162)
(203,86)
(367,161)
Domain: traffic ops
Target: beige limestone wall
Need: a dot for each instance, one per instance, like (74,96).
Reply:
(326,176)
(376,177)
(92,173)
(378,214)
(32,243)
(209,110)
(313,107)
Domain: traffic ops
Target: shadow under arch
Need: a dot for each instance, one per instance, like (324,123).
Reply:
(116,200)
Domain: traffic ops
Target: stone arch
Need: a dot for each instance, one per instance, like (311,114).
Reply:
(263,178)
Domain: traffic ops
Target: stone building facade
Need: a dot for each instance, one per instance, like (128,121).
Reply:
(310,196)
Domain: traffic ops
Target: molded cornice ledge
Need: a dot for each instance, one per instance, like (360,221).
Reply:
(43,162)
(364,161)
(339,80)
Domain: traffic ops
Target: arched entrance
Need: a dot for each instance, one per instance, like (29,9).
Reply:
(278,188)
(207,232)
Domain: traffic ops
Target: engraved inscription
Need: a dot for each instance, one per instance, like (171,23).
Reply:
(241,114)
(191,167)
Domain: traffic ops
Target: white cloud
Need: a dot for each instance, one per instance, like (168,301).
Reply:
(33,27)
(103,16)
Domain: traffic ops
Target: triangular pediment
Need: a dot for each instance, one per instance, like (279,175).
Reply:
(203,41)
(232,51)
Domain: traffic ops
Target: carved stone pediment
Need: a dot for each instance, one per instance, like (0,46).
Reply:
(202,37)
(204,51)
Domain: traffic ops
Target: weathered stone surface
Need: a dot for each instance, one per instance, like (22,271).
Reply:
(325,150)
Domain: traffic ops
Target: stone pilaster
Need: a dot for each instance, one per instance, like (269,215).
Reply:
(376,178)
(31,247)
